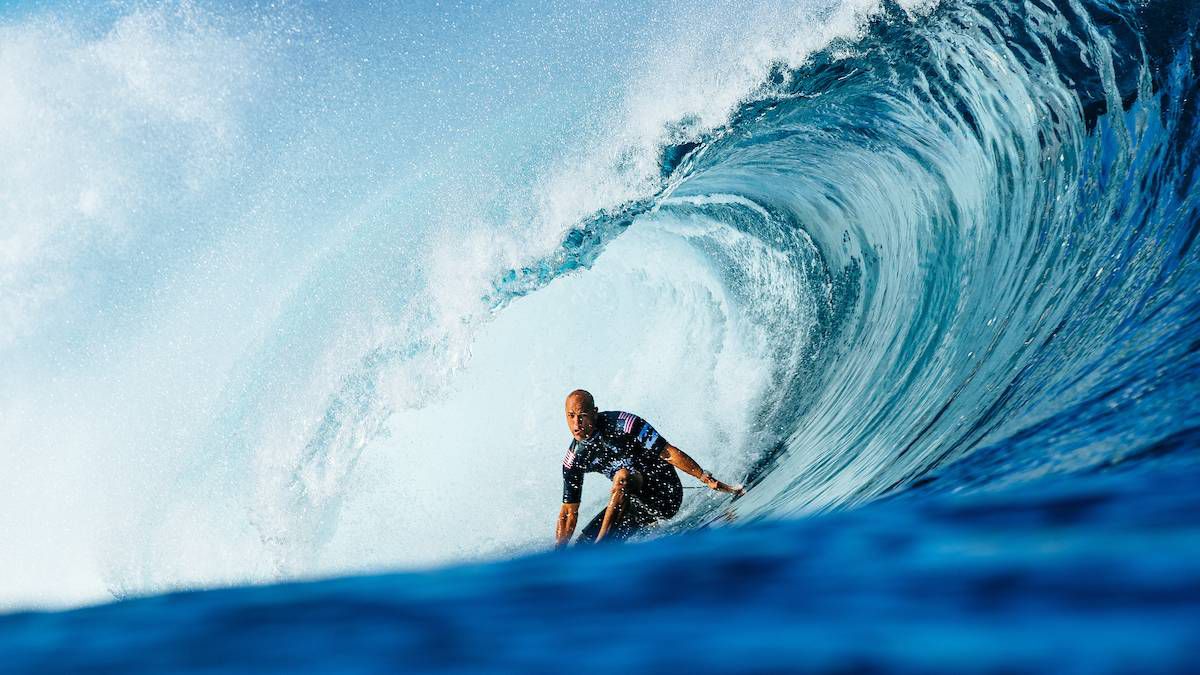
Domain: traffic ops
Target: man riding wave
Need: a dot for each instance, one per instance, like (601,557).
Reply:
(640,463)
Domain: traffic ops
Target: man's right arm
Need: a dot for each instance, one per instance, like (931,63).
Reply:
(572,492)
(568,515)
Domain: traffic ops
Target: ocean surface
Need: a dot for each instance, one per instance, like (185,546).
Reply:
(291,295)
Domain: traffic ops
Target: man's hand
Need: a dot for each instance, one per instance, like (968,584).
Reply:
(717,485)
(568,515)
(686,464)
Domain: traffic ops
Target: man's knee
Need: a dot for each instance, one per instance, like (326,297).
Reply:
(627,479)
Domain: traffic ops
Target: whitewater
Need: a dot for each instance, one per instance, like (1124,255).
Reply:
(296,292)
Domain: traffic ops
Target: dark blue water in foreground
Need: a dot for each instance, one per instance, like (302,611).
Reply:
(982,452)
(1090,574)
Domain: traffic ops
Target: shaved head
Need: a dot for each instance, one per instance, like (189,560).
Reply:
(581,414)
(584,396)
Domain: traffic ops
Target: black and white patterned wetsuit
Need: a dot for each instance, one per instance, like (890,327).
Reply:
(623,440)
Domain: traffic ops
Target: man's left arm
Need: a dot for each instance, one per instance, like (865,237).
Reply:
(682,461)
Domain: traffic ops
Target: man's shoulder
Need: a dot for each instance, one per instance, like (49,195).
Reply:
(619,421)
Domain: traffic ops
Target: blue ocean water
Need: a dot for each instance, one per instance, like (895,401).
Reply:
(1093,574)
(292,296)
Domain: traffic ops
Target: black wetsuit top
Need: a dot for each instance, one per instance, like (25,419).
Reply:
(623,440)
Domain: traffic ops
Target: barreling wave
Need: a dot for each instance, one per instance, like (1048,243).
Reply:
(962,241)
(973,247)
(888,248)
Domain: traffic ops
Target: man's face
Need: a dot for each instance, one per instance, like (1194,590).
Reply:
(581,417)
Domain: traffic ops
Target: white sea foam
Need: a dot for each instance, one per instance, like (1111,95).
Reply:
(251,345)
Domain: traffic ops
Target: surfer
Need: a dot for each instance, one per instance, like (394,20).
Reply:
(640,463)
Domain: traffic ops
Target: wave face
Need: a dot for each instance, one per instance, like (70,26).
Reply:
(289,307)
(995,208)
